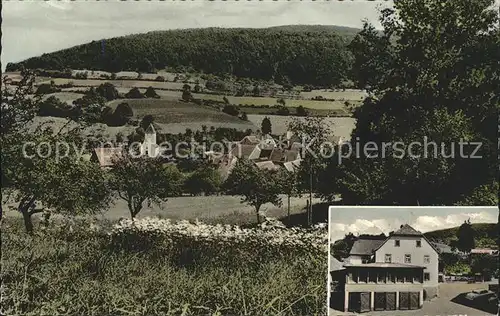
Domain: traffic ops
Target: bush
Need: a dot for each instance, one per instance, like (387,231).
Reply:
(160,78)
(47,89)
(151,93)
(231,110)
(134,93)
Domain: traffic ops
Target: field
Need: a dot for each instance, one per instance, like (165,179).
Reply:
(174,111)
(118,83)
(259,101)
(340,126)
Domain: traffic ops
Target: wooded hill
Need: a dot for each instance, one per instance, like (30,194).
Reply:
(486,235)
(295,54)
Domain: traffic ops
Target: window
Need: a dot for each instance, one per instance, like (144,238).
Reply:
(407,258)
(419,243)
(353,277)
(427,276)
(388,258)
(372,277)
(363,276)
(381,277)
(400,277)
(427,259)
(396,243)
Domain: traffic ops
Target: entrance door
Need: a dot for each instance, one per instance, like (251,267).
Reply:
(404,300)
(354,302)
(414,300)
(365,302)
(380,301)
(390,301)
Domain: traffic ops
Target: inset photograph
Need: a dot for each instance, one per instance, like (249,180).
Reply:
(413,260)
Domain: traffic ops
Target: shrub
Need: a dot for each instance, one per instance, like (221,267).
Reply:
(134,93)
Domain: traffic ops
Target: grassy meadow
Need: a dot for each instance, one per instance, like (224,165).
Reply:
(82,267)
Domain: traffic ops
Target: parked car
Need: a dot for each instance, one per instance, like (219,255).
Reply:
(480,297)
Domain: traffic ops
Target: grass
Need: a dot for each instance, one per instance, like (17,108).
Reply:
(174,111)
(72,270)
(340,126)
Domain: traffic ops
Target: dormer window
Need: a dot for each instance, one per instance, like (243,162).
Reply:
(419,243)
(396,243)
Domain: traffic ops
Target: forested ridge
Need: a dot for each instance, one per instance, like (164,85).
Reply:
(316,55)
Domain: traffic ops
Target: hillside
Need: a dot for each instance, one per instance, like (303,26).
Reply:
(316,55)
(487,234)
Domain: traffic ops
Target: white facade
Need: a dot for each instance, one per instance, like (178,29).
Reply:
(414,250)
(149,146)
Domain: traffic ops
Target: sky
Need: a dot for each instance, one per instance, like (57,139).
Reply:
(376,220)
(31,28)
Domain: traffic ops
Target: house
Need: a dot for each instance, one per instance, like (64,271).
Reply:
(246,151)
(225,165)
(397,272)
(362,250)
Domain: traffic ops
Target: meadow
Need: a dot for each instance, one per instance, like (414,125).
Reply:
(157,267)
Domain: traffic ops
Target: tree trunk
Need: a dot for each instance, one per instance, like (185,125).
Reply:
(28,223)
(288,207)
(257,208)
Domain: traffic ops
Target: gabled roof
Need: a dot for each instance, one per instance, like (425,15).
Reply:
(406,230)
(244,151)
(335,265)
(250,139)
(150,129)
(365,247)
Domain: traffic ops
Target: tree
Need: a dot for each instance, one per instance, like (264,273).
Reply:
(226,100)
(301,111)
(134,93)
(288,185)
(197,88)
(108,91)
(46,88)
(431,63)
(282,110)
(205,179)
(160,78)
(257,187)
(42,178)
(281,102)
(122,114)
(139,180)
(151,93)
(484,264)
(314,133)
(244,116)
(146,121)
(466,235)
(187,96)
(266,126)
(52,106)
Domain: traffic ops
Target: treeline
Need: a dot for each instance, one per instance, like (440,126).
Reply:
(286,56)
